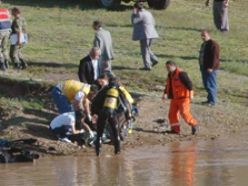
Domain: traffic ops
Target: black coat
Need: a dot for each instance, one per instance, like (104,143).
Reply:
(86,71)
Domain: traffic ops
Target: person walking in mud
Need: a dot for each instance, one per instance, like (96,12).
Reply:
(106,106)
(18,38)
(5,29)
(179,89)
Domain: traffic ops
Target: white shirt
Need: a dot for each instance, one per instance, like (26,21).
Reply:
(95,67)
(68,118)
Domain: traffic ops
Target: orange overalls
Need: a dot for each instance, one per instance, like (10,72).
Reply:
(180,101)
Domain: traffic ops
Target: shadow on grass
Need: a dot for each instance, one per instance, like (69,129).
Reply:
(33,126)
(40,113)
(81,4)
(40,131)
(184,28)
(116,67)
(234,60)
(52,64)
(174,56)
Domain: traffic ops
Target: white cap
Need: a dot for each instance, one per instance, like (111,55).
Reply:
(79,96)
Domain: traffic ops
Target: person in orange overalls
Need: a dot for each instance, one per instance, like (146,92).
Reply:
(179,89)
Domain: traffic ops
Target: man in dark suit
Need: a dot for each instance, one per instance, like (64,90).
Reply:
(89,68)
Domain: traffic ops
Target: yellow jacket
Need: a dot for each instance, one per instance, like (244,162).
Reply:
(72,87)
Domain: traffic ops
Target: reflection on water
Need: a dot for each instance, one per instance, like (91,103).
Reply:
(182,164)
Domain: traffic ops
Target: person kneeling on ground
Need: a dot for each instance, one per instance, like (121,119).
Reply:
(70,126)
(179,89)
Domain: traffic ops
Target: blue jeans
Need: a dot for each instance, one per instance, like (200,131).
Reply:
(61,101)
(210,84)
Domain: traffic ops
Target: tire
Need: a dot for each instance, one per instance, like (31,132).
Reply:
(109,3)
(158,4)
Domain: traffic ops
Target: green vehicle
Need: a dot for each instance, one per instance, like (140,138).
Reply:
(156,4)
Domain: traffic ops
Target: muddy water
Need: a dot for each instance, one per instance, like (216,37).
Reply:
(207,163)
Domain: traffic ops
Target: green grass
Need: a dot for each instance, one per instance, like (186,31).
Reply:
(61,32)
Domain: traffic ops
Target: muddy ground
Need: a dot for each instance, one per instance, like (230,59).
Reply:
(149,128)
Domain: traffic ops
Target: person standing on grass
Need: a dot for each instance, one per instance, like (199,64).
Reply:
(18,37)
(144,31)
(103,40)
(209,61)
(5,28)
(179,89)
(220,13)
(89,68)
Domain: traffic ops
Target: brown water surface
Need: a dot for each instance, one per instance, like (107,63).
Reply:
(210,163)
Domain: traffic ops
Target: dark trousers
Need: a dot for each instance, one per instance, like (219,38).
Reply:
(148,56)
(210,84)
(61,132)
(104,118)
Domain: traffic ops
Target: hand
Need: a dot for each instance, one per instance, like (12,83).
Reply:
(94,119)
(89,117)
(226,2)
(209,70)
(164,97)
(207,3)
(135,11)
(91,134)
(191,97)
(19,44)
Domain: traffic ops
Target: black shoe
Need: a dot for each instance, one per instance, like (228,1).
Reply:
(145,69)
(117,148)
(18,66)
(24,65)
(207,103)
(195,129)
(6,63)
(97,147)
(2,67)
(154,63)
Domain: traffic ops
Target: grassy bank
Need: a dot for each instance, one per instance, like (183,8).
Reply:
(61,34)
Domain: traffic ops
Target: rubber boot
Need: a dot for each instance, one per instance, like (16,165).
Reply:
(24,65)
(117,147)
(97,147)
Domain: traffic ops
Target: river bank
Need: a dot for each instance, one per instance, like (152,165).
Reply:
(30,121)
